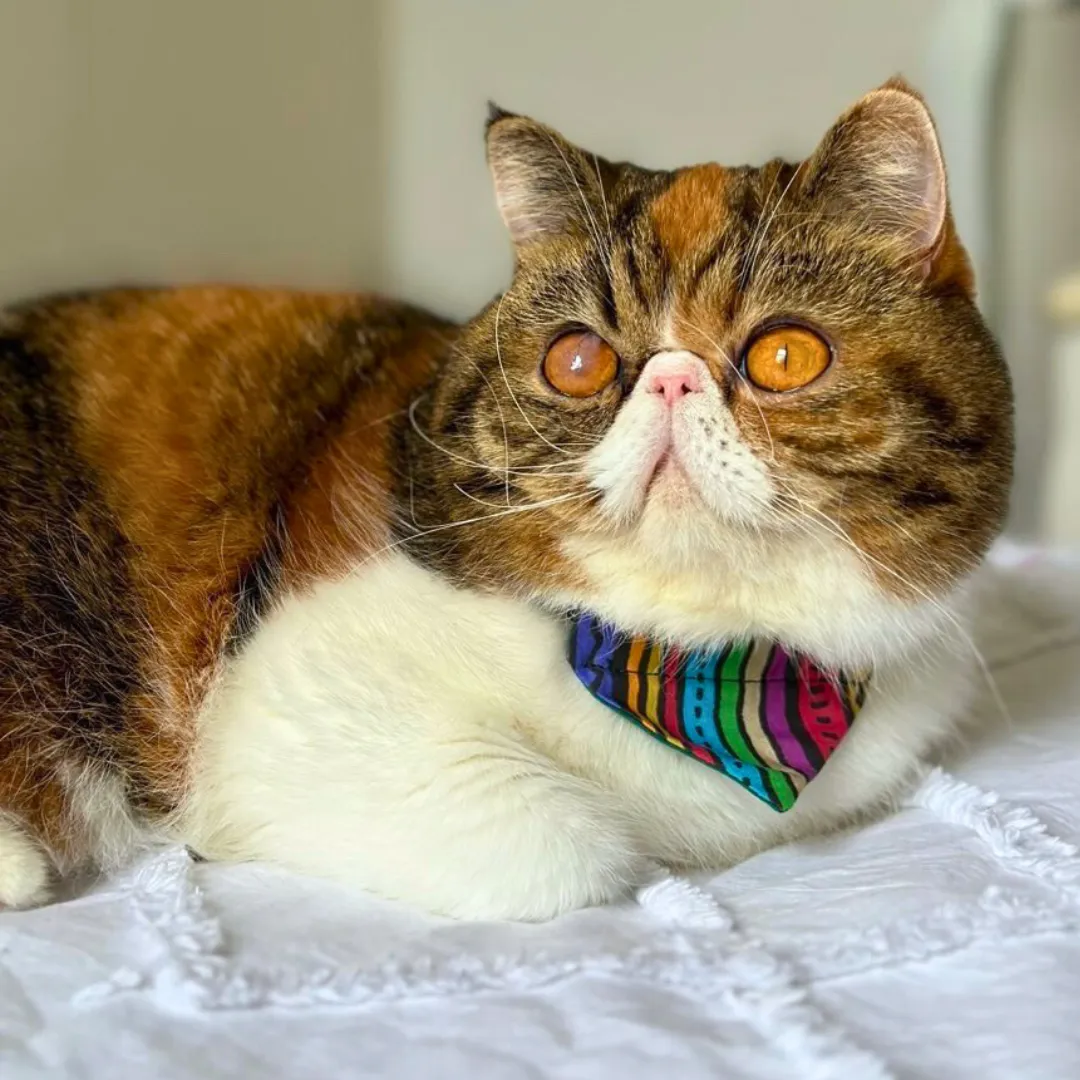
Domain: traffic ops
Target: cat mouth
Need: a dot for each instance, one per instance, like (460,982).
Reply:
(669,477)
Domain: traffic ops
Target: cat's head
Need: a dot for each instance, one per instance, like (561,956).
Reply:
(722,401)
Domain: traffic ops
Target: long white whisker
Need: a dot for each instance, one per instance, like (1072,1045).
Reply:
(519,470)
(763,232)
(838,531)
(501,513)
(761,220)
(442,449)
(593,226)
(607,211)
(510,389)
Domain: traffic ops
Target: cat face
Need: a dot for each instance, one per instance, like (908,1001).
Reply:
(749,373)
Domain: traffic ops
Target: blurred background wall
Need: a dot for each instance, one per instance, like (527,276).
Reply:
(338,143)
(147,140)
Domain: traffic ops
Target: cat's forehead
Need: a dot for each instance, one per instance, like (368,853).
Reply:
(724,247)
(688,208)
(691,210)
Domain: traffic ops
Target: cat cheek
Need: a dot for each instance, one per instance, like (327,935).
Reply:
(621,465)
(732,480)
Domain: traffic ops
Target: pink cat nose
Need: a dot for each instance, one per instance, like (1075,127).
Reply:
(674,383)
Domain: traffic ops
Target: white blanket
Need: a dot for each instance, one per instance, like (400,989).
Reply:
(941,942)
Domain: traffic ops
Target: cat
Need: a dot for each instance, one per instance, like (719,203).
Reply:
(291,577)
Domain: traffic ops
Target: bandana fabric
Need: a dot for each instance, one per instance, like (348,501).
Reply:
(765,717)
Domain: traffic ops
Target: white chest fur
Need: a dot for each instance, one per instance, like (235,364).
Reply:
(432,744)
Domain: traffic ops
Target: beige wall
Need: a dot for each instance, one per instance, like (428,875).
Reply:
(37,80)
(146,140)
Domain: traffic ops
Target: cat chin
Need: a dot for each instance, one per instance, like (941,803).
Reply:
(697,581)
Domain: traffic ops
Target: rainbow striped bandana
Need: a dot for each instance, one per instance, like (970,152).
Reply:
(757,713)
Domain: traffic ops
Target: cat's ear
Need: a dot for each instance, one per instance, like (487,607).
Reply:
(881,165)
(544,185)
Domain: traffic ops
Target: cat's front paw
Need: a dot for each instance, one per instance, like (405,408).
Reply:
(485,830)
(25,873)
(466,821)
(552,851)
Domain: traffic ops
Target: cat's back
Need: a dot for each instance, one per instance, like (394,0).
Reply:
(157,447)
(207,373)
(185,414)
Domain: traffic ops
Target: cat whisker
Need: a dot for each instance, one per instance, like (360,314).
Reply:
(510,389)
(607,211)
(763,229)
(415,424)
(424,531)
(744,277)
(594,228)
(476,499)
(502,417)
(840,533)
(523,470)
(498,506)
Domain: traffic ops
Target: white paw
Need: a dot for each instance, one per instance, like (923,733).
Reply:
(555,850)
(24,868)
(480,829)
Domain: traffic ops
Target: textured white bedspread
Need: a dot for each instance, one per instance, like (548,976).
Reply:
(941,942)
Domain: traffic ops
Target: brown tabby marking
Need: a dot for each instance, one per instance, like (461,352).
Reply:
(207,444)
(691,211)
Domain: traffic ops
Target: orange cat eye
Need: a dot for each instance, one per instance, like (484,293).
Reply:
(580,365)
(784,358)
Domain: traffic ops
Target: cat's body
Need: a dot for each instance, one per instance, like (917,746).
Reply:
(288,576)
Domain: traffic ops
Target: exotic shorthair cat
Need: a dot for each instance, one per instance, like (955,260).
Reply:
(659,560)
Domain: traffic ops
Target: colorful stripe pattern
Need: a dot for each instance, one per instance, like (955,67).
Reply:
(767,718)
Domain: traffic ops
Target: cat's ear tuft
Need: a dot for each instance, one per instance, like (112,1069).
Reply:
(881,164)
(495,114)
(544,185)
